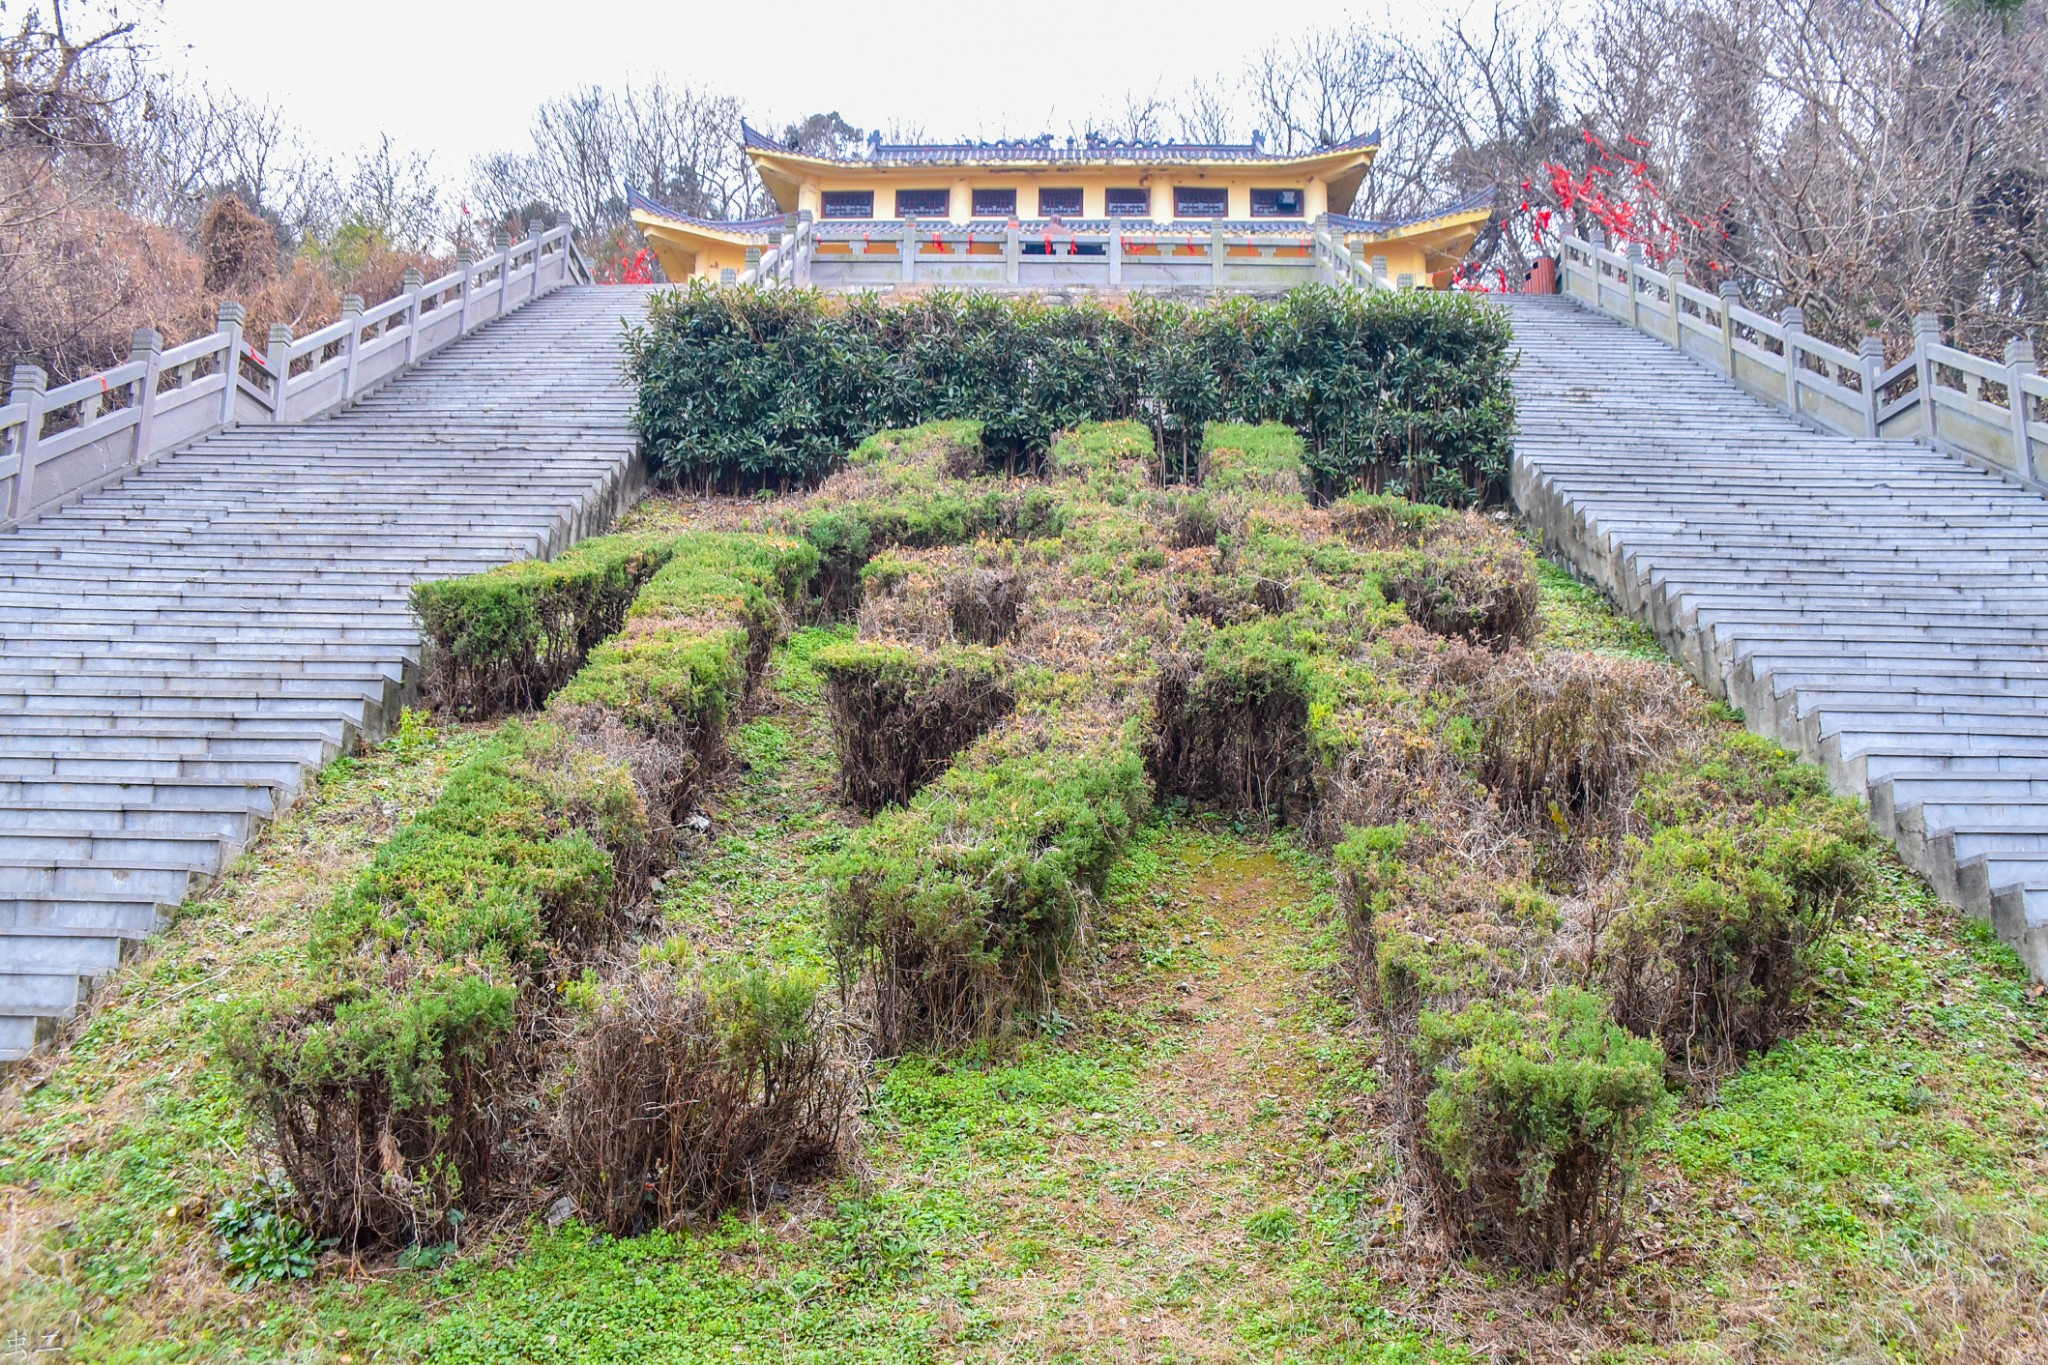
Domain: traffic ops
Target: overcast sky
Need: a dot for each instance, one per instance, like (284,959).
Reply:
(457,77)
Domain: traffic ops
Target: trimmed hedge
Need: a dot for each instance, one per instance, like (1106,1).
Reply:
(1265,460)
(381,1081)
(961,905)
(502,640)
(1404,392)
(698,631)
(390,1081)
(899,714)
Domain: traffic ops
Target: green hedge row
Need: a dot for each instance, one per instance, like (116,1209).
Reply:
(384,1080)
(502,640)
(1404,392)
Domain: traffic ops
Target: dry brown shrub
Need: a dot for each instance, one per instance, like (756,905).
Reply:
(899,716)
(1565,737)
(987,604)
(687,1095)
(1470,578)
(239,248)
(1240,741)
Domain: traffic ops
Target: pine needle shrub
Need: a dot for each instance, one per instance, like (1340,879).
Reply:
(696,639)
(688,1093)
(1719,945)
(1470,579)
(960,907)
(1564,738)
(1263,461)
(1538,1108)
(382,1084)
(1403,392)
(900,714)
(504,639)
(1231,724)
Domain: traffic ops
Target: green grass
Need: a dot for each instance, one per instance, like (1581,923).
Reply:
(1187,1164)
(1572,615)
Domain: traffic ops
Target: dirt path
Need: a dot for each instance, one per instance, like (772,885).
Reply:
(1180,1229)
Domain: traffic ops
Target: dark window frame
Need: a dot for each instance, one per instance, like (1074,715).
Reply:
(864,208)
(1126,195)
(1079,200)
(1008,211)
(1220,194)
(1272,208)
(942,198)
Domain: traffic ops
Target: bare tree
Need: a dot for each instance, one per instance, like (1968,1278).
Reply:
(1865,159)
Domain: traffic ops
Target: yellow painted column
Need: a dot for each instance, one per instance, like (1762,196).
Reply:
(961,202)
(808,199)
(1316,201)
(1162,202)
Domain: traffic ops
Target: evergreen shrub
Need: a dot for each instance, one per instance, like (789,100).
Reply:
(502,640)
(1397,392)
(1538,1107)
(961,905)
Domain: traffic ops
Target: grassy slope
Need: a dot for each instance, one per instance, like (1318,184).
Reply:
(1189,1172)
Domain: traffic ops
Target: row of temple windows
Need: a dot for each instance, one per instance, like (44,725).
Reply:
(1189,201)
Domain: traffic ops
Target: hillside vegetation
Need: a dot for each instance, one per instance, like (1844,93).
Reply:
(949,916)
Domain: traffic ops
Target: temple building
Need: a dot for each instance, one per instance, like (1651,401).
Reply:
(1087,213)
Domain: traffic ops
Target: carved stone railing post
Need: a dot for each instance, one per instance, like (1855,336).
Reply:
(1674,273)
(907,251)
(1379,271)
(1731,298)
(147,350)
(1404,280)
(753,270)
(1794,319)
(534,228)
(352,314)
(504,245)
(1218,249)
(231,316)
(1359,270)
(1013,255)
(1635,285)
(465,261)
(1115,253)
(1926,336)
(280,353)
(807,233)
(414,283)
(1870,363)
(2019,366)
(27,390)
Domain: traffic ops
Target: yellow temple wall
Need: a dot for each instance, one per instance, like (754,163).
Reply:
(1093,184)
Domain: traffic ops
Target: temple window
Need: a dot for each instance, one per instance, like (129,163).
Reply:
(849,203)
(1276,204)
(995,203)
(1059,203)
(923,203)
(1200,201)
(1129,203)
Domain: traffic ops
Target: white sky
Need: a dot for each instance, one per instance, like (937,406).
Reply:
(458,77)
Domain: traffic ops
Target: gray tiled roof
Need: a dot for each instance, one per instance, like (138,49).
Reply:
(1089,151)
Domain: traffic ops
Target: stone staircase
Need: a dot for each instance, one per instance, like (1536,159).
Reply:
(1877,605)
(180,650)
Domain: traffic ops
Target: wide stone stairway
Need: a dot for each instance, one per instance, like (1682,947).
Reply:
(179,651)
(1877,605)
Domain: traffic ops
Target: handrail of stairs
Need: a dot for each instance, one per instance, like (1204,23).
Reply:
(56,444)
(1991,413)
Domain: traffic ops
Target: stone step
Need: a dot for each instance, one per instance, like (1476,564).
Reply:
(180,649)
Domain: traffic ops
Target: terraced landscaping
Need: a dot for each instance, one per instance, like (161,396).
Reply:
(1112,991)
